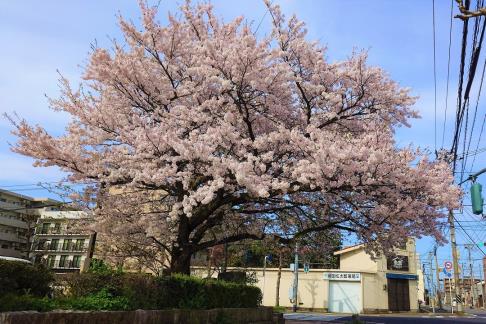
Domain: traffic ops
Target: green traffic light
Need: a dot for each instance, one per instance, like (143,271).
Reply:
(476,199)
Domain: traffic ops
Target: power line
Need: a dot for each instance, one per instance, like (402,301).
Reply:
(435,78)
(467,234)
(448,74)
(475,52)
(38,184)
(479,140)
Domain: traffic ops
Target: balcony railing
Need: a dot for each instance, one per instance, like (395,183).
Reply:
(51,230)
(63,247)
(67,264)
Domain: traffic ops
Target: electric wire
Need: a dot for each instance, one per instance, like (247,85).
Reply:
(435,77)
(448,74)
(475,53)
(457,127)
(468,236)
(479,140)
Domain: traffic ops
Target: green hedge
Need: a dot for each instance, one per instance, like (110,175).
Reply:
(148,292)
(128,291)
(13,302)
(23,278)
(101,300)
(188,292)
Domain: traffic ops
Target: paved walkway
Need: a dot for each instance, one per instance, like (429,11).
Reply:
(479,316)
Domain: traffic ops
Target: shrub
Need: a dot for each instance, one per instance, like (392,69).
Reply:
(12,302)
(102,300)
(84,284)
(141,291)
(23,278)
(179,291)
(100,267)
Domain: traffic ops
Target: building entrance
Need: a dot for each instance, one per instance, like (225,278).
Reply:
(398,295)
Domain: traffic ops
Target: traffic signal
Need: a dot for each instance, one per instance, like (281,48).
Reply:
(477,199)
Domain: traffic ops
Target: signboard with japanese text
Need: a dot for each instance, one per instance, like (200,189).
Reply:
(399,262)
(342,276)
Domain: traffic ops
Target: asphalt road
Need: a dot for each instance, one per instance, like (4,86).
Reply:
(316,318)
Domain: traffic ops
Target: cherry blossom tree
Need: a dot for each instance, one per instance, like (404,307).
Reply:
(197,132)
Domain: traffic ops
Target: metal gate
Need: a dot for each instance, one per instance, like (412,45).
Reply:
(344,297)
(398,295)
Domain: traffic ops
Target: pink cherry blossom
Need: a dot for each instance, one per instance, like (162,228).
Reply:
(198,133)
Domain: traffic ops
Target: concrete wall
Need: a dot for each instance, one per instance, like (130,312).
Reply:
(261,315)
(312,290)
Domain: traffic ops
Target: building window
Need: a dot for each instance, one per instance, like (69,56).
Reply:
(57,228)
(66,245)
(54,244)
(50,261)
(5,246)
(62,261)
(76,261)
(79,244)
(45,228)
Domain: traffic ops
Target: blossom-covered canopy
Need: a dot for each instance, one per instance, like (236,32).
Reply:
(198,132)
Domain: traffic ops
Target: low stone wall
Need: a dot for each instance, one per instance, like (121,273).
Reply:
(261,315)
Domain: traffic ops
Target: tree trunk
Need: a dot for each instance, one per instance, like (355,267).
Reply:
(180,258)
(180,262)
(279,275)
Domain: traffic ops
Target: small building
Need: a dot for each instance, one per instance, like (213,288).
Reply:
(362,284)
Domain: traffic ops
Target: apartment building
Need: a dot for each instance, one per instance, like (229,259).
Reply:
(60,245)
(18,216)
(42,230)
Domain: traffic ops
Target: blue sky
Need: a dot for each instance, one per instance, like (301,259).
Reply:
(41,37)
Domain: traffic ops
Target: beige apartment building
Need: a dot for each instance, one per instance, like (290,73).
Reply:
(360,285)
(60,247)
(18,217)
(38,229)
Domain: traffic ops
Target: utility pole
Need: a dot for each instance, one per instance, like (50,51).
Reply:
(463,288)
(296,276)
(455,262)
(431,283)
(483,283)
(450,293)
(437,272)
(472,281)
(264,270)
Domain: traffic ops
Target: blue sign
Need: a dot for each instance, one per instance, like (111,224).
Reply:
(448,274)
(401,276)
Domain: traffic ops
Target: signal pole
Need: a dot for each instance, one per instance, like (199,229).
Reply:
(455,262)
(296,277)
